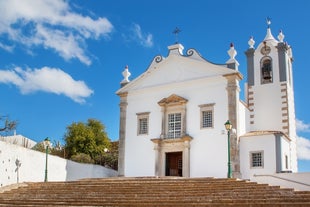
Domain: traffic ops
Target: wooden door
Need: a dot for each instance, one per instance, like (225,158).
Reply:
(174,164)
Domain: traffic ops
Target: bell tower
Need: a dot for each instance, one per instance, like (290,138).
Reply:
(270,94)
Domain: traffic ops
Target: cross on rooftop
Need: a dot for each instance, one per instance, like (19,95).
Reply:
(176,31)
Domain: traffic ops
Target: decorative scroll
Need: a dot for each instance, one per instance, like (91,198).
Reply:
(158,58)
(190,52)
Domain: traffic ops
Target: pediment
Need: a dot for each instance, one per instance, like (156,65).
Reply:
(176,69)
(172,100)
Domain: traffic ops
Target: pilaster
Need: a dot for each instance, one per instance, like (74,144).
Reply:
(233,90)
(122,134)
(282,48)
(250,66)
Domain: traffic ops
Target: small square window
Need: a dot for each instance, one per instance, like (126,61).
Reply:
(206,115)
(257,159)
(207,119)
(143,129)
(143,123)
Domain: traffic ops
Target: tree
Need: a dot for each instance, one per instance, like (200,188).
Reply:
(110,157)
(88,138)
(55,148)
(39,147)
(8,124)
(83,158)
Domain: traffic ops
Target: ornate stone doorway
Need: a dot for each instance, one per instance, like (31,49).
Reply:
(167,150)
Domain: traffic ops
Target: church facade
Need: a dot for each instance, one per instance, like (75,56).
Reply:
(172,116)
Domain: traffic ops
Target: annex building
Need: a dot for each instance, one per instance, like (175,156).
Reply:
(172,116)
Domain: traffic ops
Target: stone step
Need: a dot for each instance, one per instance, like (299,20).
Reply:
(152,192)
(163,202)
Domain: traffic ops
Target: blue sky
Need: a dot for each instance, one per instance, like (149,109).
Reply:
(61,61)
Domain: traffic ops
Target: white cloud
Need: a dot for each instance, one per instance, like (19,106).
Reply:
(51,24)
(303,144)
(301,126)
(51,80)
(303,148)
(66,44)
(146,40)
(6,47)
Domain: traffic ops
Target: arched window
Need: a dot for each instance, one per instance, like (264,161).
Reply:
(266,70)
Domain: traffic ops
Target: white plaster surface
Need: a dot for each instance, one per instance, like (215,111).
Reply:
(298,181)
(18,139)
(32,167)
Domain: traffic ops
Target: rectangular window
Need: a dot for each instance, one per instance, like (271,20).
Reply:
(143,128)
(257,159)
(143,123)
(206,115)
(207,119)
(174,125)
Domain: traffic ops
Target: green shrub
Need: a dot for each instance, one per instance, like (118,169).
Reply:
(83,158)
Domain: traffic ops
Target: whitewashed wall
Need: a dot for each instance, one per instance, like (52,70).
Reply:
(298,181)
(251,144)
(285,151)
(18,139)
(139,152)
(267,100)
(32,167)
(244,119)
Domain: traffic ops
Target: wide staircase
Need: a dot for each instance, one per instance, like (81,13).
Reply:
(165,191)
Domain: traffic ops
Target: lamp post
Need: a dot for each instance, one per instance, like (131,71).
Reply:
(228,127)
(46,144)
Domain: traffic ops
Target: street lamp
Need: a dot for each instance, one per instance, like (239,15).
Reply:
(228,127)
(46,145)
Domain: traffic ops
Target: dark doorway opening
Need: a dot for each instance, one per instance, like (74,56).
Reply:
(174,164)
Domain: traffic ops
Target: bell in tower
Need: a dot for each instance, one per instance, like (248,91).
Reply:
(266,71)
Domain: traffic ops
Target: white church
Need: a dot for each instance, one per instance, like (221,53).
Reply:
(172,116)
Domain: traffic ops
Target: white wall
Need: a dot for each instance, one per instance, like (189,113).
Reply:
(244,119)
(298,181)
(139,150)
(285,150)
(249,144)
(267,100)
(19,140)
(33,167)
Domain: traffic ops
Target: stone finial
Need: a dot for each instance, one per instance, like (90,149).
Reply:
(232,52)
(251,42)
(232,62)
(281,36)
(126,75)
